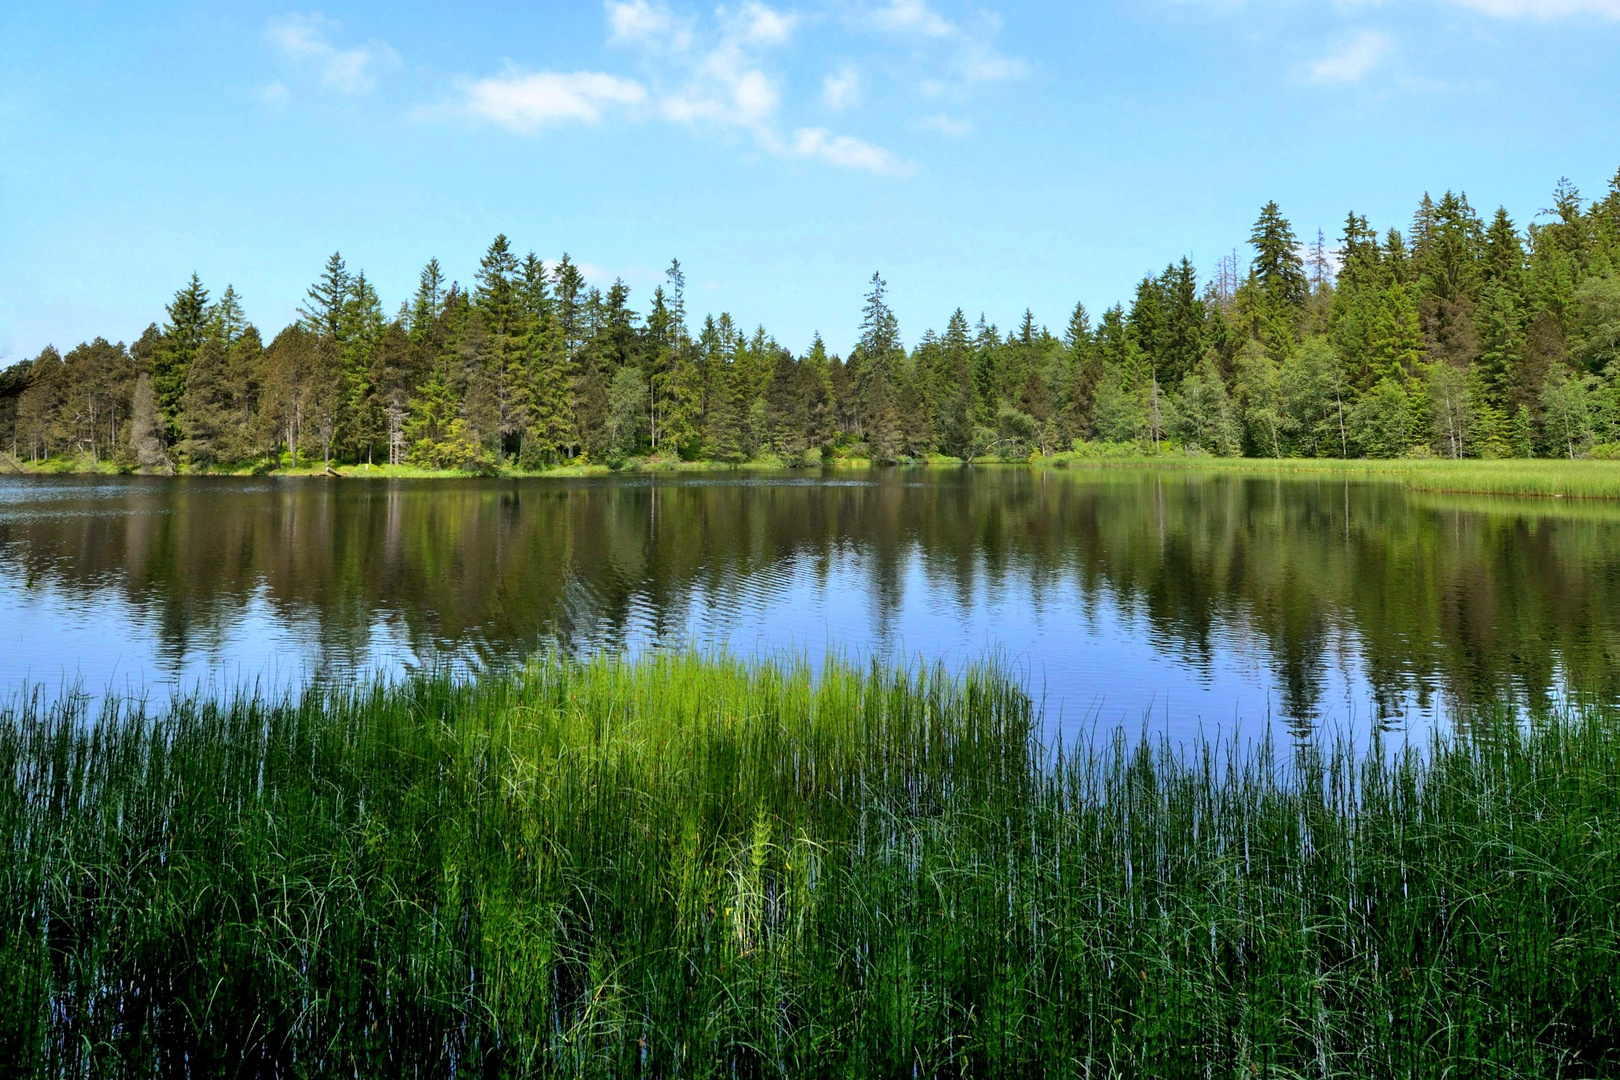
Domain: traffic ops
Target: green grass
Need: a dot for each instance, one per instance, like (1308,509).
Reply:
(1541,477)
(687,866)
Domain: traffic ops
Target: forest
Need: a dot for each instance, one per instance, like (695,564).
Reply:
(1460,338)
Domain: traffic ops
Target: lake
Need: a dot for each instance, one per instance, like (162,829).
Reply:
(1174,599)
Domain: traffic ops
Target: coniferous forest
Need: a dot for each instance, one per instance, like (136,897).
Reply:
(1466,335)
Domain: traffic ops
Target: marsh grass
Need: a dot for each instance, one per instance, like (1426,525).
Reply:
(1541,477)
(693,866)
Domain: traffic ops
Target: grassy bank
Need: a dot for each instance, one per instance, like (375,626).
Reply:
(1533,477)
(693,867)
(70,466)
(1538,478)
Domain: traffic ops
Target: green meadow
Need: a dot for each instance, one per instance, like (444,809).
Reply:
(689,865)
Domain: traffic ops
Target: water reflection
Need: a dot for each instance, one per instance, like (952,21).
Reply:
(1193,598)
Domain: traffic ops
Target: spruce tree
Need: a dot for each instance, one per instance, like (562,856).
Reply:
(1277,267)
(322,309)
(426,305)
(1396,345)
(1181,339)
(183,335)
(205,412)
(1084,372)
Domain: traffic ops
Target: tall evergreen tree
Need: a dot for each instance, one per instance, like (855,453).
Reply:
(1277,266)
(183,335)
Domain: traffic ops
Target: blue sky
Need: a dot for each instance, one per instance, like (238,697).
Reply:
(992,157)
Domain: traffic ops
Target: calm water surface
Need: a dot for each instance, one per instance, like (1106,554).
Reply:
(1129,596)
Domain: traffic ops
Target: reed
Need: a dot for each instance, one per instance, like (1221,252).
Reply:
(1540,477)
(694,866)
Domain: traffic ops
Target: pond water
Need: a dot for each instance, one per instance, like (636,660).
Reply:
(1173,599)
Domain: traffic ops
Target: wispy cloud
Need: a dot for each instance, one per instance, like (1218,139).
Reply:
(525,102)
(641,23)
(725,83)
(946,124)
(1501,9)
(713,74)
(841,89)
(1544,9)
(1351,59)
(964,55)
(845,151)
(912,17)
(307,39)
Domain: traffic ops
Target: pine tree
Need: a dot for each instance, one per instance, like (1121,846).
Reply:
(1181,341)
(1502,262)
(322,310)
(882,422)
(1396,346)
(915,418)
(874,362)
(786,410)
(226,322)
(815,374)
(426,307)
(1277,266)
(1499,325)
(727,416)
(205,411)
(495,291)
(360,332)
(1085,370)
(1146,322)
(183,335)
(569,286)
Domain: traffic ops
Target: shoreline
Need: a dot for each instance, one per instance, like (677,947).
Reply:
(1592,479)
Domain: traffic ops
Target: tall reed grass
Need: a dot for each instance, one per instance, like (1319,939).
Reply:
(1540,477)
(693,866)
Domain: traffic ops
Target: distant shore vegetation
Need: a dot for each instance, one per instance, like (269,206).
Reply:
(1466,336)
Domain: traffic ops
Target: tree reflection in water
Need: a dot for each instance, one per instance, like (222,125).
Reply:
(1468,598)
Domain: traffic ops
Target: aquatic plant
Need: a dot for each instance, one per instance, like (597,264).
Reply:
(694,866)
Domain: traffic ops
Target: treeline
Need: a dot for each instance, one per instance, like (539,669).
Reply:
(1459,338)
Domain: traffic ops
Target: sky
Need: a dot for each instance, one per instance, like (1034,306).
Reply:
(993,158)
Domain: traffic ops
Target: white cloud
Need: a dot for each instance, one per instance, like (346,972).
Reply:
(760,25)
(726,84)
(841,89)
(640,23)
(1351,60)
(946,125)
(274,94)
(307,39)
(971,53)
(719,77)
(913,17)
(844,151)
(528,102)
(1501,9)
(1544,9)
(982,63)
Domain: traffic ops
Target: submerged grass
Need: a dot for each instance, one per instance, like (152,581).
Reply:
(690,866)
